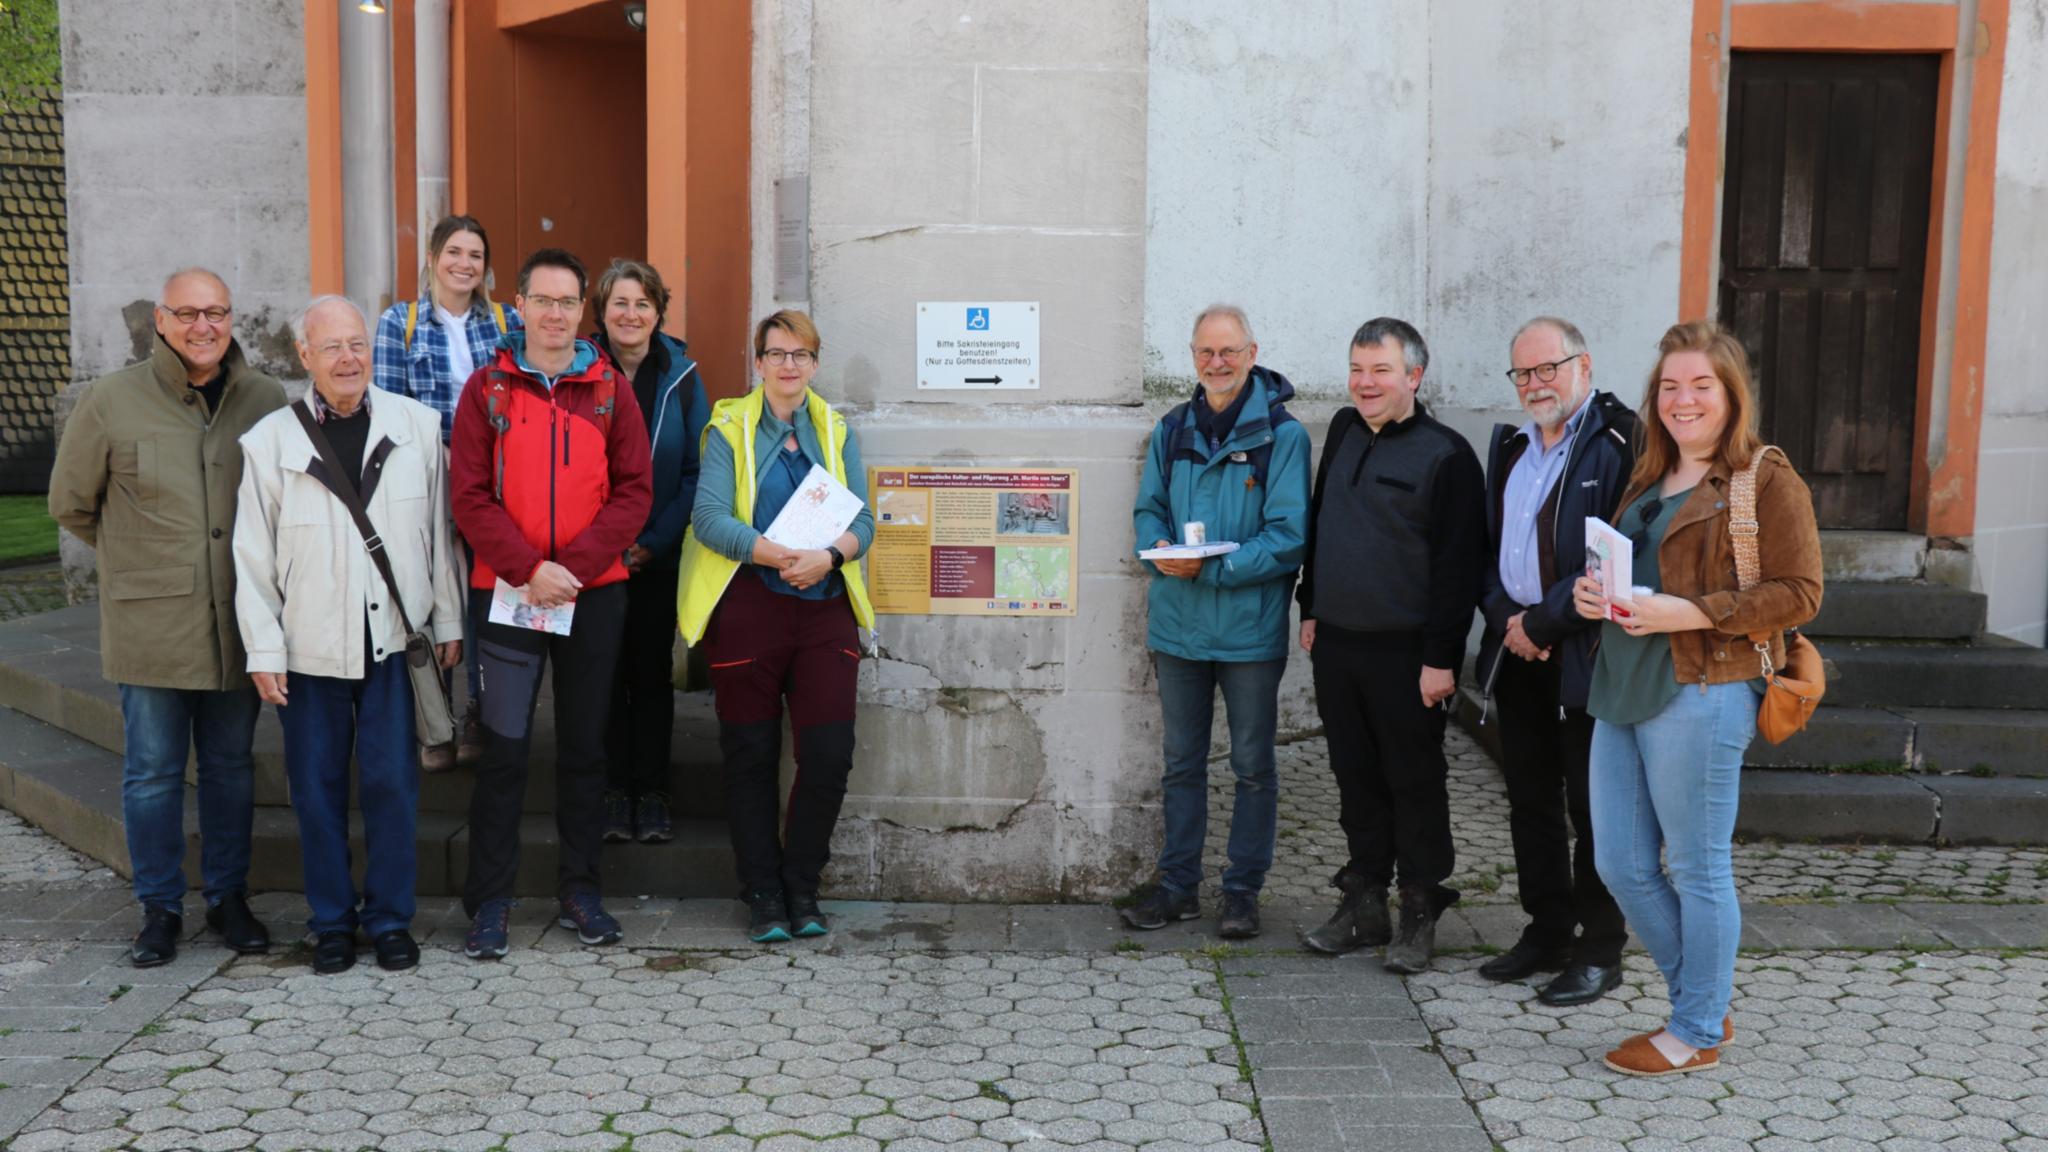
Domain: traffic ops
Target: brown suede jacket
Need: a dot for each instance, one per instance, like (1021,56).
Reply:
(1697,561)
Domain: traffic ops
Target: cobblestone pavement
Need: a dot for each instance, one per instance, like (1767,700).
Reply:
(1311,847)
(563,1047)
(1844,1052)
(26,589)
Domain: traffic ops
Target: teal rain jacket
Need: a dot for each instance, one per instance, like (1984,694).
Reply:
(1252,490)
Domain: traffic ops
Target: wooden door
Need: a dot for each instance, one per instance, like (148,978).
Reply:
(1823,254)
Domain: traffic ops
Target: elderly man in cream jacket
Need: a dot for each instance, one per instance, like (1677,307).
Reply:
(326,644)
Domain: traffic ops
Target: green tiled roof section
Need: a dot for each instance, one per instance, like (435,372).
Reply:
(35,283)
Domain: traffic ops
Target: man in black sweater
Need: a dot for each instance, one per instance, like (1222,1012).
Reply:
(1397,546)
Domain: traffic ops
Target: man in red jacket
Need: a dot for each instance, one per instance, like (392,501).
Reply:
(548,473)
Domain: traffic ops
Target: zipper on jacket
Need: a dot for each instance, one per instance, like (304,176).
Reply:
(1371,438)
(552,470)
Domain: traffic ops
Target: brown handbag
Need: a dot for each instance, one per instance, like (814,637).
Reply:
(1791,693)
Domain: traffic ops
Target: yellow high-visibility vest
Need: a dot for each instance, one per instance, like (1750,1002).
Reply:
(703,574)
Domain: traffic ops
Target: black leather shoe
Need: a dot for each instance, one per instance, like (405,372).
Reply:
(334,952)
(238,927)
(157,943)
(1524,959)
(396,950)
(1580,984)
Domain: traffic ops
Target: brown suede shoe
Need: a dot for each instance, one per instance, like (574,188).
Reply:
(469,746)
(1639,1057)
(1727,1032)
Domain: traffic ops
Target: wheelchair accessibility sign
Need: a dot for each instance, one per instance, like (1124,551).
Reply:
(976,344)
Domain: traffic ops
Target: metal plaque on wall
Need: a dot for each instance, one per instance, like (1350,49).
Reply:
(793,238)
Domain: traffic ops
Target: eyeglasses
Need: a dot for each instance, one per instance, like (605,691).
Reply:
(214,315)
(1227,355)
(1652,509)
(358,347)
(553,303)
(801,357)
(1544,373)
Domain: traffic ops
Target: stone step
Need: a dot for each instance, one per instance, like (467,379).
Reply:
(50,669)
(1904,609)
(1849,555)
(71,788)
(1990,673)
(2010,742)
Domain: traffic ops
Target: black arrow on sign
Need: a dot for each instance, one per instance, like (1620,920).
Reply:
(983,380)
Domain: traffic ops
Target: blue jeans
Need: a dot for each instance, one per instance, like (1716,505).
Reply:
(1672,783)
(326,719)
(160,727)
(1251,704)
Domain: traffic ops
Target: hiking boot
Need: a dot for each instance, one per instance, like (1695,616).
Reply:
(157,943)
(469,747)
(1360,920)
(1415,942)
(437,757)
(618,817)
(1239,919)
(651,820)
(804,916)
(1159,906)
(584,912)
(767,916)
(490,932)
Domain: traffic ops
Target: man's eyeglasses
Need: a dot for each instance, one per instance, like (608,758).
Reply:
(801,357)
(214,315)
(1544,373)
(1652,509)
(1227,355)
(553,303)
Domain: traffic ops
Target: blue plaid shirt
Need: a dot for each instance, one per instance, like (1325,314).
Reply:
(423,372)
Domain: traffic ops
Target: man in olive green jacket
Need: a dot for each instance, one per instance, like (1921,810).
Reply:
(146,474)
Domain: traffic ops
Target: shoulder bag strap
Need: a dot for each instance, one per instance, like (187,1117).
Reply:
(343,486)
(1742,537)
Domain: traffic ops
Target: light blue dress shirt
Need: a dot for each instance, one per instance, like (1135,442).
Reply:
(1531,482)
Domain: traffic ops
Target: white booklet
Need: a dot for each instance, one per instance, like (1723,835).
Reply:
(1187,551)
(1610,559)
(818,513)
(509,606)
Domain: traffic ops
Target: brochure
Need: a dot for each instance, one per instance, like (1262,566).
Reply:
(509,606)
(1610,559)
(1187,551)
(818,513)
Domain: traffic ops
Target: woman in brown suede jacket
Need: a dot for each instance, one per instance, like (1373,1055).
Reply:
(1676,681)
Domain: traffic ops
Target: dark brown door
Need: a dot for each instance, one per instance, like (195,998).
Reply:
(1823,254)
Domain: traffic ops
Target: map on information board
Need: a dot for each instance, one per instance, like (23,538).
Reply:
(974,542)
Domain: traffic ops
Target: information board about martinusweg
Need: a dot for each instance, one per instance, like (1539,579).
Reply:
(974,542)
(977,344)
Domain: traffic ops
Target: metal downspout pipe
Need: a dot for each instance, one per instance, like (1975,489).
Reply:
(368,202)
(431,30)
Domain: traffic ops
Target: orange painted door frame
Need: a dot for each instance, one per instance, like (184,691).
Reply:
(1944,492)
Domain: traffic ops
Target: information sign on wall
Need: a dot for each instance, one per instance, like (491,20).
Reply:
(977,344)
(974,542)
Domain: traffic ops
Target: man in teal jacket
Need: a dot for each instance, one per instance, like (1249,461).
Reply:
(1233,460)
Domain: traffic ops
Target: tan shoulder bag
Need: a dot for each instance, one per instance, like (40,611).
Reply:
(1790,693)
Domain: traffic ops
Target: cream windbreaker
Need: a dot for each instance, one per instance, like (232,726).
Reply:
(305,583)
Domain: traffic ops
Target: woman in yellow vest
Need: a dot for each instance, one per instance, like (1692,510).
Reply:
(777,623)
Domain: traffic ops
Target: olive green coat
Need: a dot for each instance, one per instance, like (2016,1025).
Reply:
(146,479)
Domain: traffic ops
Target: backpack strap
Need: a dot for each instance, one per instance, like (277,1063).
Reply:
(606,393)
(496,401)
(412,321)
(498,313)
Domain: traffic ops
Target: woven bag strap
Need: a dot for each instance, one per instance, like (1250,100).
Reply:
(1742,536)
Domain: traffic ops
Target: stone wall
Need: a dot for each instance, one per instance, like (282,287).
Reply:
(184,127)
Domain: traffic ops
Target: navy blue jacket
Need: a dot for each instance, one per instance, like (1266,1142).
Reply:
(675,432)
(1594,475)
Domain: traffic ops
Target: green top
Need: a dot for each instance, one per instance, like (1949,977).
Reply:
(1632,676)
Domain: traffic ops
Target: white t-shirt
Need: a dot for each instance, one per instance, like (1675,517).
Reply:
(457,330)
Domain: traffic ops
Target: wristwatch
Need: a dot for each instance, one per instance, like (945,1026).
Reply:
(838,557)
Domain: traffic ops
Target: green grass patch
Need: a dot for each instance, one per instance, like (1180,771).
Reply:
(26,530)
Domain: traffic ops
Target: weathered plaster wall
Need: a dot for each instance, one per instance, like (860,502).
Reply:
(1556,183)
(2012,479)
(992,151)
(184,135)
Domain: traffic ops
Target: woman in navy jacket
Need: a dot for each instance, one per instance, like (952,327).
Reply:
(633,302)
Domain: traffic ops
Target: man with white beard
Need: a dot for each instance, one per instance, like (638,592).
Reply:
(1570,461)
